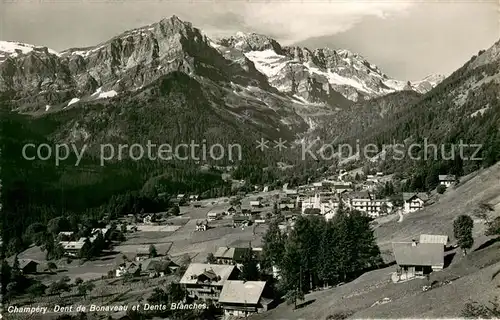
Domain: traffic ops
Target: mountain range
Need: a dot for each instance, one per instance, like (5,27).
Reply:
(169,83)
(169,79)
(247,77)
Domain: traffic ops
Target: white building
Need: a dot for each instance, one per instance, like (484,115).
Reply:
(414,201)
(434,238)
(127,268)
(365,202)
(254,203)
(447,180)
(329,208)
(311,203)
(213,215)
(202,226)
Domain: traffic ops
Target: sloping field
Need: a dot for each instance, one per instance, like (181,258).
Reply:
(470,279)
(481,187)
(373,295)
(475,284)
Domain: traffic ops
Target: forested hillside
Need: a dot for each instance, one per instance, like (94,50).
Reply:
(463,109)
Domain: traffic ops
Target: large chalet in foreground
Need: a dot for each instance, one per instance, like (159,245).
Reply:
(205,281)
(240,298)
(417,259)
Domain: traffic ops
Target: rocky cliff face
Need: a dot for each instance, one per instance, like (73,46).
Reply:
(38,78)
(303,72)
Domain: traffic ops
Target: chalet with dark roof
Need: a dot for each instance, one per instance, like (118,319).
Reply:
(417,259)
(205,281)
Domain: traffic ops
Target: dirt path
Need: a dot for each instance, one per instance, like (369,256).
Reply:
(400,216)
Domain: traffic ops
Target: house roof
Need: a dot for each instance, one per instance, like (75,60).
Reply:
(77,245)
(129,266)
(142,251)
(423,254)
(150,264)
(410,195)
(22,262)
(196,269)
(240,218)
(132,268)
(219,210)
(236,254)
(341,186)
(433,238)
(155,264)
(237,291)
(360,195)
(446,177)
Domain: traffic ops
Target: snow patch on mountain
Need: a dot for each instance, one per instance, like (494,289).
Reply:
(348,73)
(13,49)
(73,101)
(108,94)
(479,112)
(267,62)
(99,94)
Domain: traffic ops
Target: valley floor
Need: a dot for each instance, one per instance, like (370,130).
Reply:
(372,295)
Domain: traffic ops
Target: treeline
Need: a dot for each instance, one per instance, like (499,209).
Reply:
(316,252)
(39,191)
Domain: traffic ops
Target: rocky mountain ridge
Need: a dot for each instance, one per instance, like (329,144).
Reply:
(340,70)
(40,79)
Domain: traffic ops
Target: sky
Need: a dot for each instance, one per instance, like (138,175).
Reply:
(407,39)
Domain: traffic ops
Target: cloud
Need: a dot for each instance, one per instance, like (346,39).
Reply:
(292,21)
(79,23)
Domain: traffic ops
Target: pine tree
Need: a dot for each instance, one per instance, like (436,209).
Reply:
(274,245)
(462,229)
(152,251)
(249,270)
(98,245)
(86,250)
(211,258)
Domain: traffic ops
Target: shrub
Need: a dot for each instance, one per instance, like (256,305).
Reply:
(441,189)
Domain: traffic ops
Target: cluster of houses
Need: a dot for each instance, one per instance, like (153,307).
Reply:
(152,267)
(72,247)
(219,283)
(325,197)
(327,203)
(418,258)
(240,215)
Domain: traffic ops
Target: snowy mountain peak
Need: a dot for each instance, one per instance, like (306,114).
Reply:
(13,49)
(250,42)
(434,79)
(137,57)
(340,70)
